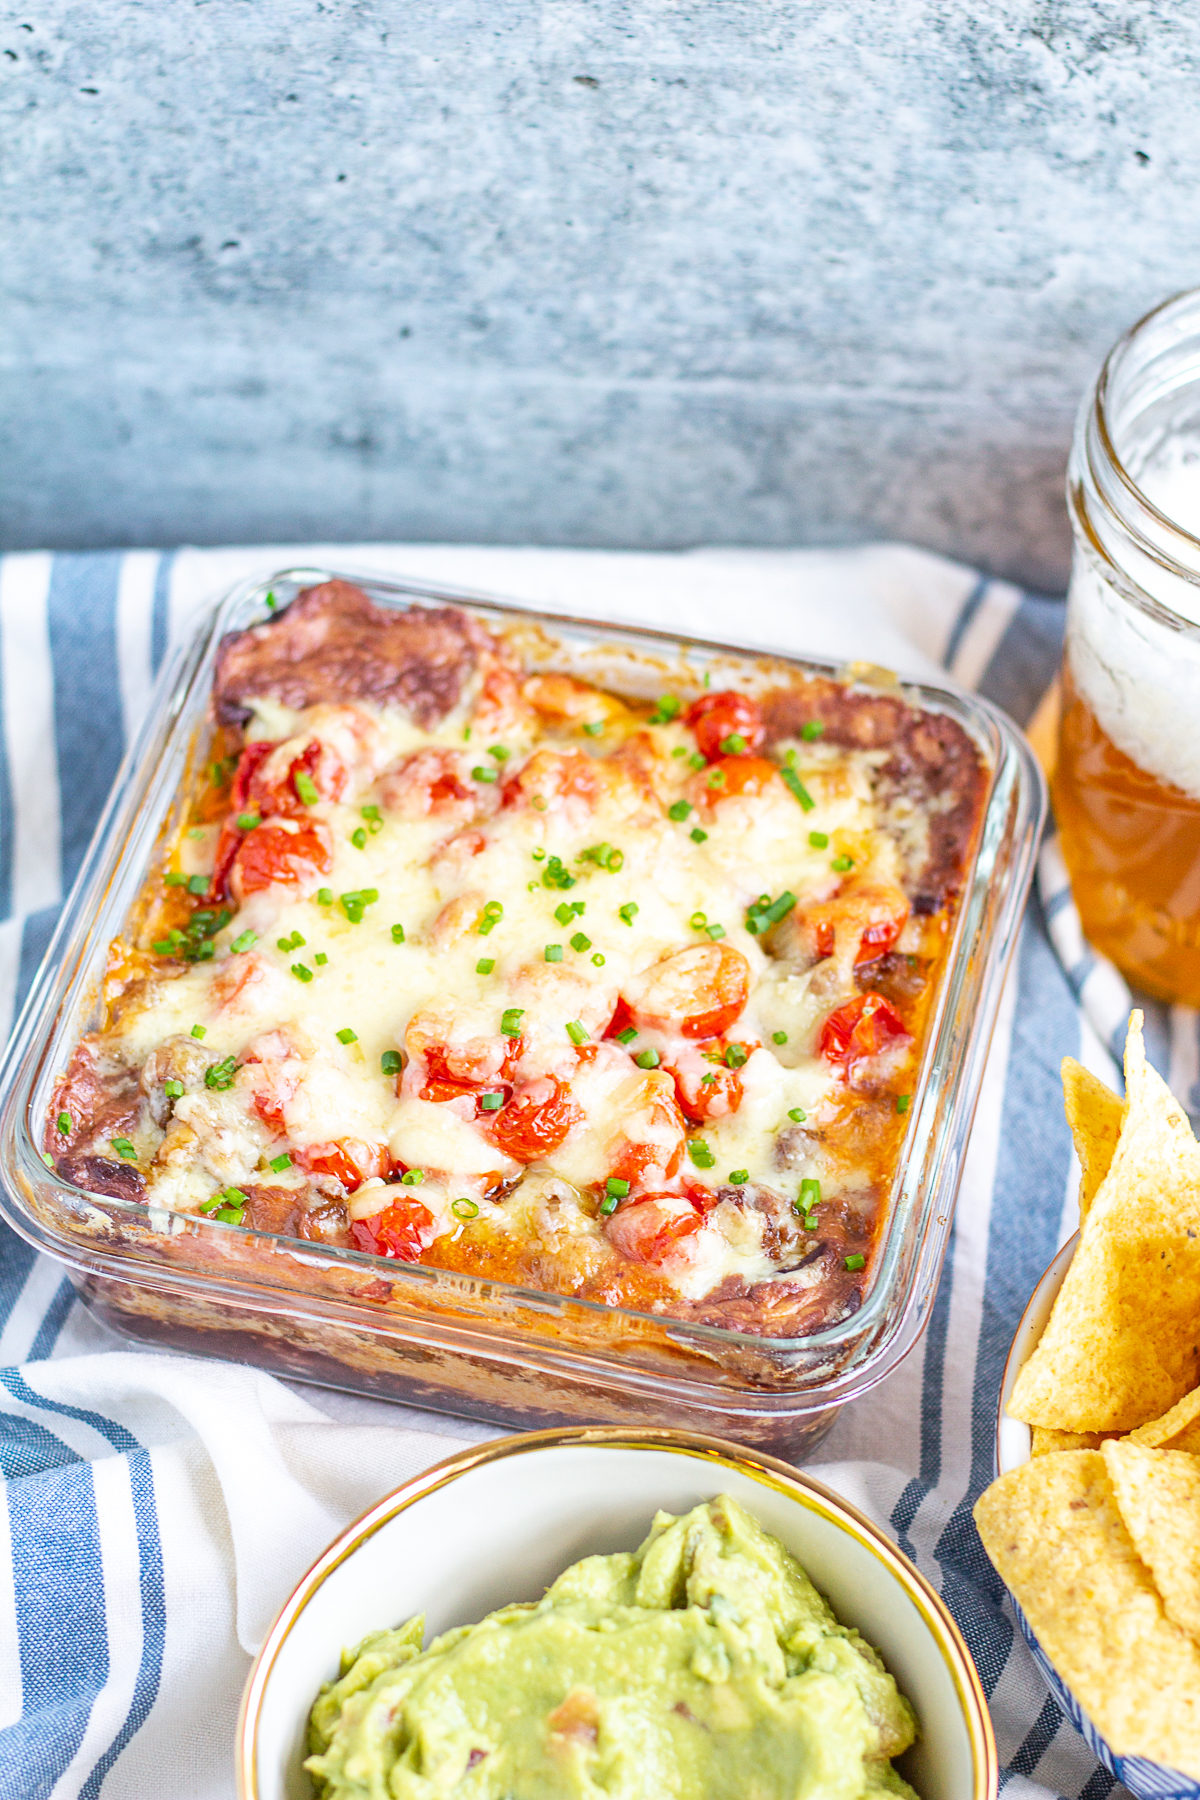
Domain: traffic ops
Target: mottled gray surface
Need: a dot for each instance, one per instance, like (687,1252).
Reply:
(575,270)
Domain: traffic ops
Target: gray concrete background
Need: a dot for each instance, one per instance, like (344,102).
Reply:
(543,270)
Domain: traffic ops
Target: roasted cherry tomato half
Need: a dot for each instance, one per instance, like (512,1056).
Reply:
(716,717)
(535,1121)
(863,1027)
(398,1232)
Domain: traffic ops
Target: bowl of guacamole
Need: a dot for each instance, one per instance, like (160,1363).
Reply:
(633,1615)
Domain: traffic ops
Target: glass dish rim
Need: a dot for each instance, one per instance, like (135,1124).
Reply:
(175,714)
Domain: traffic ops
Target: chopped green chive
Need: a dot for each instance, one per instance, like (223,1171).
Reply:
(199,1031)
(647,1059)
(413,1177)
(628,912)
(491,1102)
(903,1101)
(819,840)
(798,1114)
(779,1037)
(210,1206)
(301,973)
(538,802)
(359,838)
(738,1177)
(244,941)
(679,750)
(605,856)
(320,959)
(736,1055)
(609,1204)
(766,912)
(47,1158)
(810,1194)
(716,778)
(124,1149)
(270,602)
(501,752)
(697,836)
(812,731)
(510,1021)
(397,934)
(346,1036)
(696,760)
(464,1208)
(391,1062)
(700,1154)
(575,1032)
(698,921)
(64,1123)
(325,896)
(372,815)
(557,875)
(733,745)
(715,931)
(173,1090)
(597,961)
(230,1215)
(484,774)
(485,965)
(538,855)
(280,1163)
(668,708)
(553,952)
(493,912)
(856,1262)
(248,820)
(627,1036)
(792,781)
(841,865)
(616,1188)
(679,811)
(580,942)
(306,788)
(174,878)
(594,727)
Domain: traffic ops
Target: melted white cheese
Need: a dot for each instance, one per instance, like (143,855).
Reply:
(434,877)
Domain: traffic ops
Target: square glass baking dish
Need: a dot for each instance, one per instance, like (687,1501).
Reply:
(460,1343)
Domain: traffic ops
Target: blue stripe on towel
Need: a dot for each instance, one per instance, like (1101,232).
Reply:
(88,727)
(8,817)
(160,617)
(150,1565)
(970,607)
(62,1631)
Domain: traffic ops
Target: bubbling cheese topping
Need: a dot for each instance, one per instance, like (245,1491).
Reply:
(484,911)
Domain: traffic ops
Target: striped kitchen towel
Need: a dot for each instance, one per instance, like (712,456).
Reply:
(157,1509)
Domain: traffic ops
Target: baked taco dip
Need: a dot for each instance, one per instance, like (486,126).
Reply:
(457,959)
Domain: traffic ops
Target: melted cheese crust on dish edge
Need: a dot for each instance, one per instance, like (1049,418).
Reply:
(597,996)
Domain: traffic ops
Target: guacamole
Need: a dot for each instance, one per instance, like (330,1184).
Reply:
(702,1666)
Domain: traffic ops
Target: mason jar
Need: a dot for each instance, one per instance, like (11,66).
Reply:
(1126,787)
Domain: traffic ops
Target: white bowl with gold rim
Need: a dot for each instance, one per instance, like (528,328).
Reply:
(499,1522)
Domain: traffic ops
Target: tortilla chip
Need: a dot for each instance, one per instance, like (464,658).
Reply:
(1178,1429)
(1123,1341)
(1047,1441)
(1158,1496)
(1094,1114)
(1057,1540)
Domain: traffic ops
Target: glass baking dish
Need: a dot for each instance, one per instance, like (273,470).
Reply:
(459,1343)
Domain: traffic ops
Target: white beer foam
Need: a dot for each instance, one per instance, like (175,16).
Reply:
(1141,678)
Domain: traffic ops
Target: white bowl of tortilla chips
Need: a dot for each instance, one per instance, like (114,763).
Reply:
(1093,1523)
